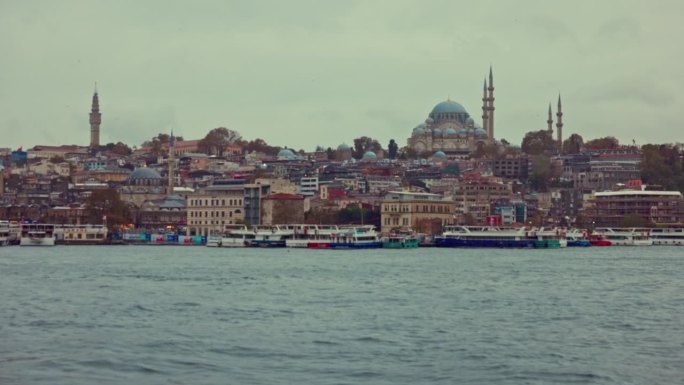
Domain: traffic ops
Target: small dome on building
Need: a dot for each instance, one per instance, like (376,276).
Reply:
(480,132)
(369,155)
(286,154)
(144,173)
(437,132)
(429,121)
(343,147)
(450,131)
(418,131)
(439,155)
(470,122)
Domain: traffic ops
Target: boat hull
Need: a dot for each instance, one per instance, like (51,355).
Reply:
(29,241)
(485,243)
(405,244)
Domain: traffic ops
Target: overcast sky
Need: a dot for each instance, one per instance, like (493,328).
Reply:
(307,73)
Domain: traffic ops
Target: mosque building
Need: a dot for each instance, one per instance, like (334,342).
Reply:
(449,128)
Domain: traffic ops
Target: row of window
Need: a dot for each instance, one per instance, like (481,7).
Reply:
(211,222)
(416,208)
(198,214)
(215,202)
(395,221)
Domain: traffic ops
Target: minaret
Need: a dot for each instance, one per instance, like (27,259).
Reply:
(485,113)
(549,121)
(490,98)
(171,163)
(95,120)
(559,125)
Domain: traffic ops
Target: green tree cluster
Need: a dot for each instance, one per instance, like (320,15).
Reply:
(662,165)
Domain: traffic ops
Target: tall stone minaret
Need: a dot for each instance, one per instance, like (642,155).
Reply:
(490,98)
(549,122)
(485,112)
(172,163)
(559,125)
(95,120)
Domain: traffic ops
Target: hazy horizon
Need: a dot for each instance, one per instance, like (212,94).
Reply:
(307,73)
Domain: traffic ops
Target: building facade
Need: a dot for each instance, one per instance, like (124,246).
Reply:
(423,212)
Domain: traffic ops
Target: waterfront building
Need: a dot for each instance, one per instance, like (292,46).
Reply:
(450,129)
(282,209)
(211,208)
(141,185)
(167,213)
(423,212)
(608,208)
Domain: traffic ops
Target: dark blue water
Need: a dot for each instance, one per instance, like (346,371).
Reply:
(194,315)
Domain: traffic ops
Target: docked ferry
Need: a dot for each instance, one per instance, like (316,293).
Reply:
(37,234)
(577,238)
(550,238)
(233,236)
(272,236)
(81,234)
(486,236)
(9,233)
(625,236)
(672,236)
(312,236)
(356,237)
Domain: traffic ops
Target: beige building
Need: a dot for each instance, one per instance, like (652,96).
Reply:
(282,208)
(211,209)
(422,212)
(474,194)
(608,208)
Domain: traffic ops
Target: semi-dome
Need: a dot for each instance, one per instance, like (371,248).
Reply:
(462,132)
(448,106)
(418,130)
(480,132)
(144,173)
(429,120)
(470,121)
(369,155)
(449,131)
(437,132)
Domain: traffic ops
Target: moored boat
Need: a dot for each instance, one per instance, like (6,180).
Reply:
(672,236)
(37,234)
(549,238)
(577,238)
(356,237)
(400,242)
(80,234)
(272,236)
(486,236)
(625,236)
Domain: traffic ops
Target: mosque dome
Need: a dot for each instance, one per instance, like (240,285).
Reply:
(437,132)
(439,155)
(286,153)
(470,122)
(462,132)
(449,131)
(448,106)
(343,147)
(418,130)
(429,121)
(471,131)
(144,173)
(369,155)
(480,132)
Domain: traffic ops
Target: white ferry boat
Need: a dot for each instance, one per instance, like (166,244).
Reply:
(81,234)
(9,233)
(356,237)
(625,236)
(272,236)
(37,235)
(577,238)
(312,236)
(673,236)
(233,236)
(486,236)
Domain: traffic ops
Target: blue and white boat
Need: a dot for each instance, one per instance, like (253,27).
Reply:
(356,237)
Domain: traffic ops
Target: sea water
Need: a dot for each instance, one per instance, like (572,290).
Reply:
(196,315)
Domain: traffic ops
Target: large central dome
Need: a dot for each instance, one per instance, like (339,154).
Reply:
(448,106)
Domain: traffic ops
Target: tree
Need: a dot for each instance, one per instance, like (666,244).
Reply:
(217,141)
(605,143)
(363,145)
(542,173)
(392,148)
(119,148)
(57,159)
(538,142)
(107,203)
(451,169)
(573,144)
(660,165)
(260,145)
(330,154)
